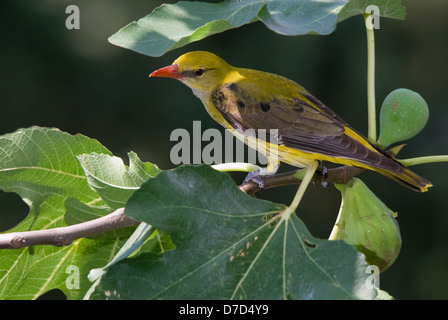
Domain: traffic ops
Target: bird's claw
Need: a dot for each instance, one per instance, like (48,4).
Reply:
(324,182)
(256,176)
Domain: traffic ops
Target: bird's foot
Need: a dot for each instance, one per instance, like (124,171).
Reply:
(257,175)
(324,172)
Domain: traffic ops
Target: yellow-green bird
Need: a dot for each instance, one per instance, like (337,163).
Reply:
(240,99)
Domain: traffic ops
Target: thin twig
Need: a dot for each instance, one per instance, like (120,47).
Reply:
(64,236)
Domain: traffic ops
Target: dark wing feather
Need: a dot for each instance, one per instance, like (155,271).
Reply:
(303,123)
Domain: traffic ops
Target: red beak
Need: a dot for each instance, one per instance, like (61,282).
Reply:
(167,72)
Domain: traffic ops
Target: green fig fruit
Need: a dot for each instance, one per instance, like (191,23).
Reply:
(404,114)
(366,223)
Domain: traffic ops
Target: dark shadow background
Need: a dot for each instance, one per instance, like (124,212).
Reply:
(76,81)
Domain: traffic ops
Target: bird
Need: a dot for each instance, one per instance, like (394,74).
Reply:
(306,130)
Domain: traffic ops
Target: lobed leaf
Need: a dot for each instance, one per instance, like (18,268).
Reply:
(40,165)
(229,246)
(38,162)
(172,26)
(112,179)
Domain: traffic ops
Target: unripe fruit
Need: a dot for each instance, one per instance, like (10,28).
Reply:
(366,223)
(404,114)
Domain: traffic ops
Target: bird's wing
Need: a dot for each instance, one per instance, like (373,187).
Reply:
(303,123)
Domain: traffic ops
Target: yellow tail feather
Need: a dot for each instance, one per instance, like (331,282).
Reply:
(408,179)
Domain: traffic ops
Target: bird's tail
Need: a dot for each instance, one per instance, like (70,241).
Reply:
(408,179)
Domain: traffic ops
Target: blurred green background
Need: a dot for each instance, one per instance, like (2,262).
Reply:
(76,81)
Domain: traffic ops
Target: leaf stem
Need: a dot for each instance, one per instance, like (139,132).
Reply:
(421,160)
(134,242)
(371,108)
(301,190)
(236,166)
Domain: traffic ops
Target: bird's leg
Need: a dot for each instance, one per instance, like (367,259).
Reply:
(324,173)
(255,176)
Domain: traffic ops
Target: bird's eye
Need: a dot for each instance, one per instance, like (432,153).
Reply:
(199,72)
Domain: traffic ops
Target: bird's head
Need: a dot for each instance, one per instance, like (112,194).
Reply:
(202,71)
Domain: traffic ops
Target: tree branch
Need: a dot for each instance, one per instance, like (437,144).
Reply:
(64,236)
(335,175)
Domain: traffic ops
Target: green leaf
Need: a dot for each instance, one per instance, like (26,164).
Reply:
(171,26)
(159,242)
(387,9)
(229,246)
(78,212)
(134,242)
(40,165)
(117,183)
(30,272)
(38,162)
(294,18)
(144,239)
